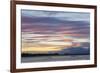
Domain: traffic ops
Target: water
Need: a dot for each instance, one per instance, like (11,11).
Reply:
(54,58)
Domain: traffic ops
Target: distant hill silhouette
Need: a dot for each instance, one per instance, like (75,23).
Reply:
(73,50)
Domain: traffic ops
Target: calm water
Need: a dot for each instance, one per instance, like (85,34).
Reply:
(55,58)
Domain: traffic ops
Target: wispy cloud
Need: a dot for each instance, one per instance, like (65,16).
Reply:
(54,30)
(61,15)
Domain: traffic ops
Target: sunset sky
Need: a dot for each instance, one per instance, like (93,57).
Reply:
(45,31)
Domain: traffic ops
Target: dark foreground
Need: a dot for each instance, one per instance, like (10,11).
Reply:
(48,58)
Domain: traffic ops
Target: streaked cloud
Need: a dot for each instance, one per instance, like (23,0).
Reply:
(54,31)
(61,15)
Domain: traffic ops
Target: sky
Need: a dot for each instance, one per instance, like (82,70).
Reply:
(47,31)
